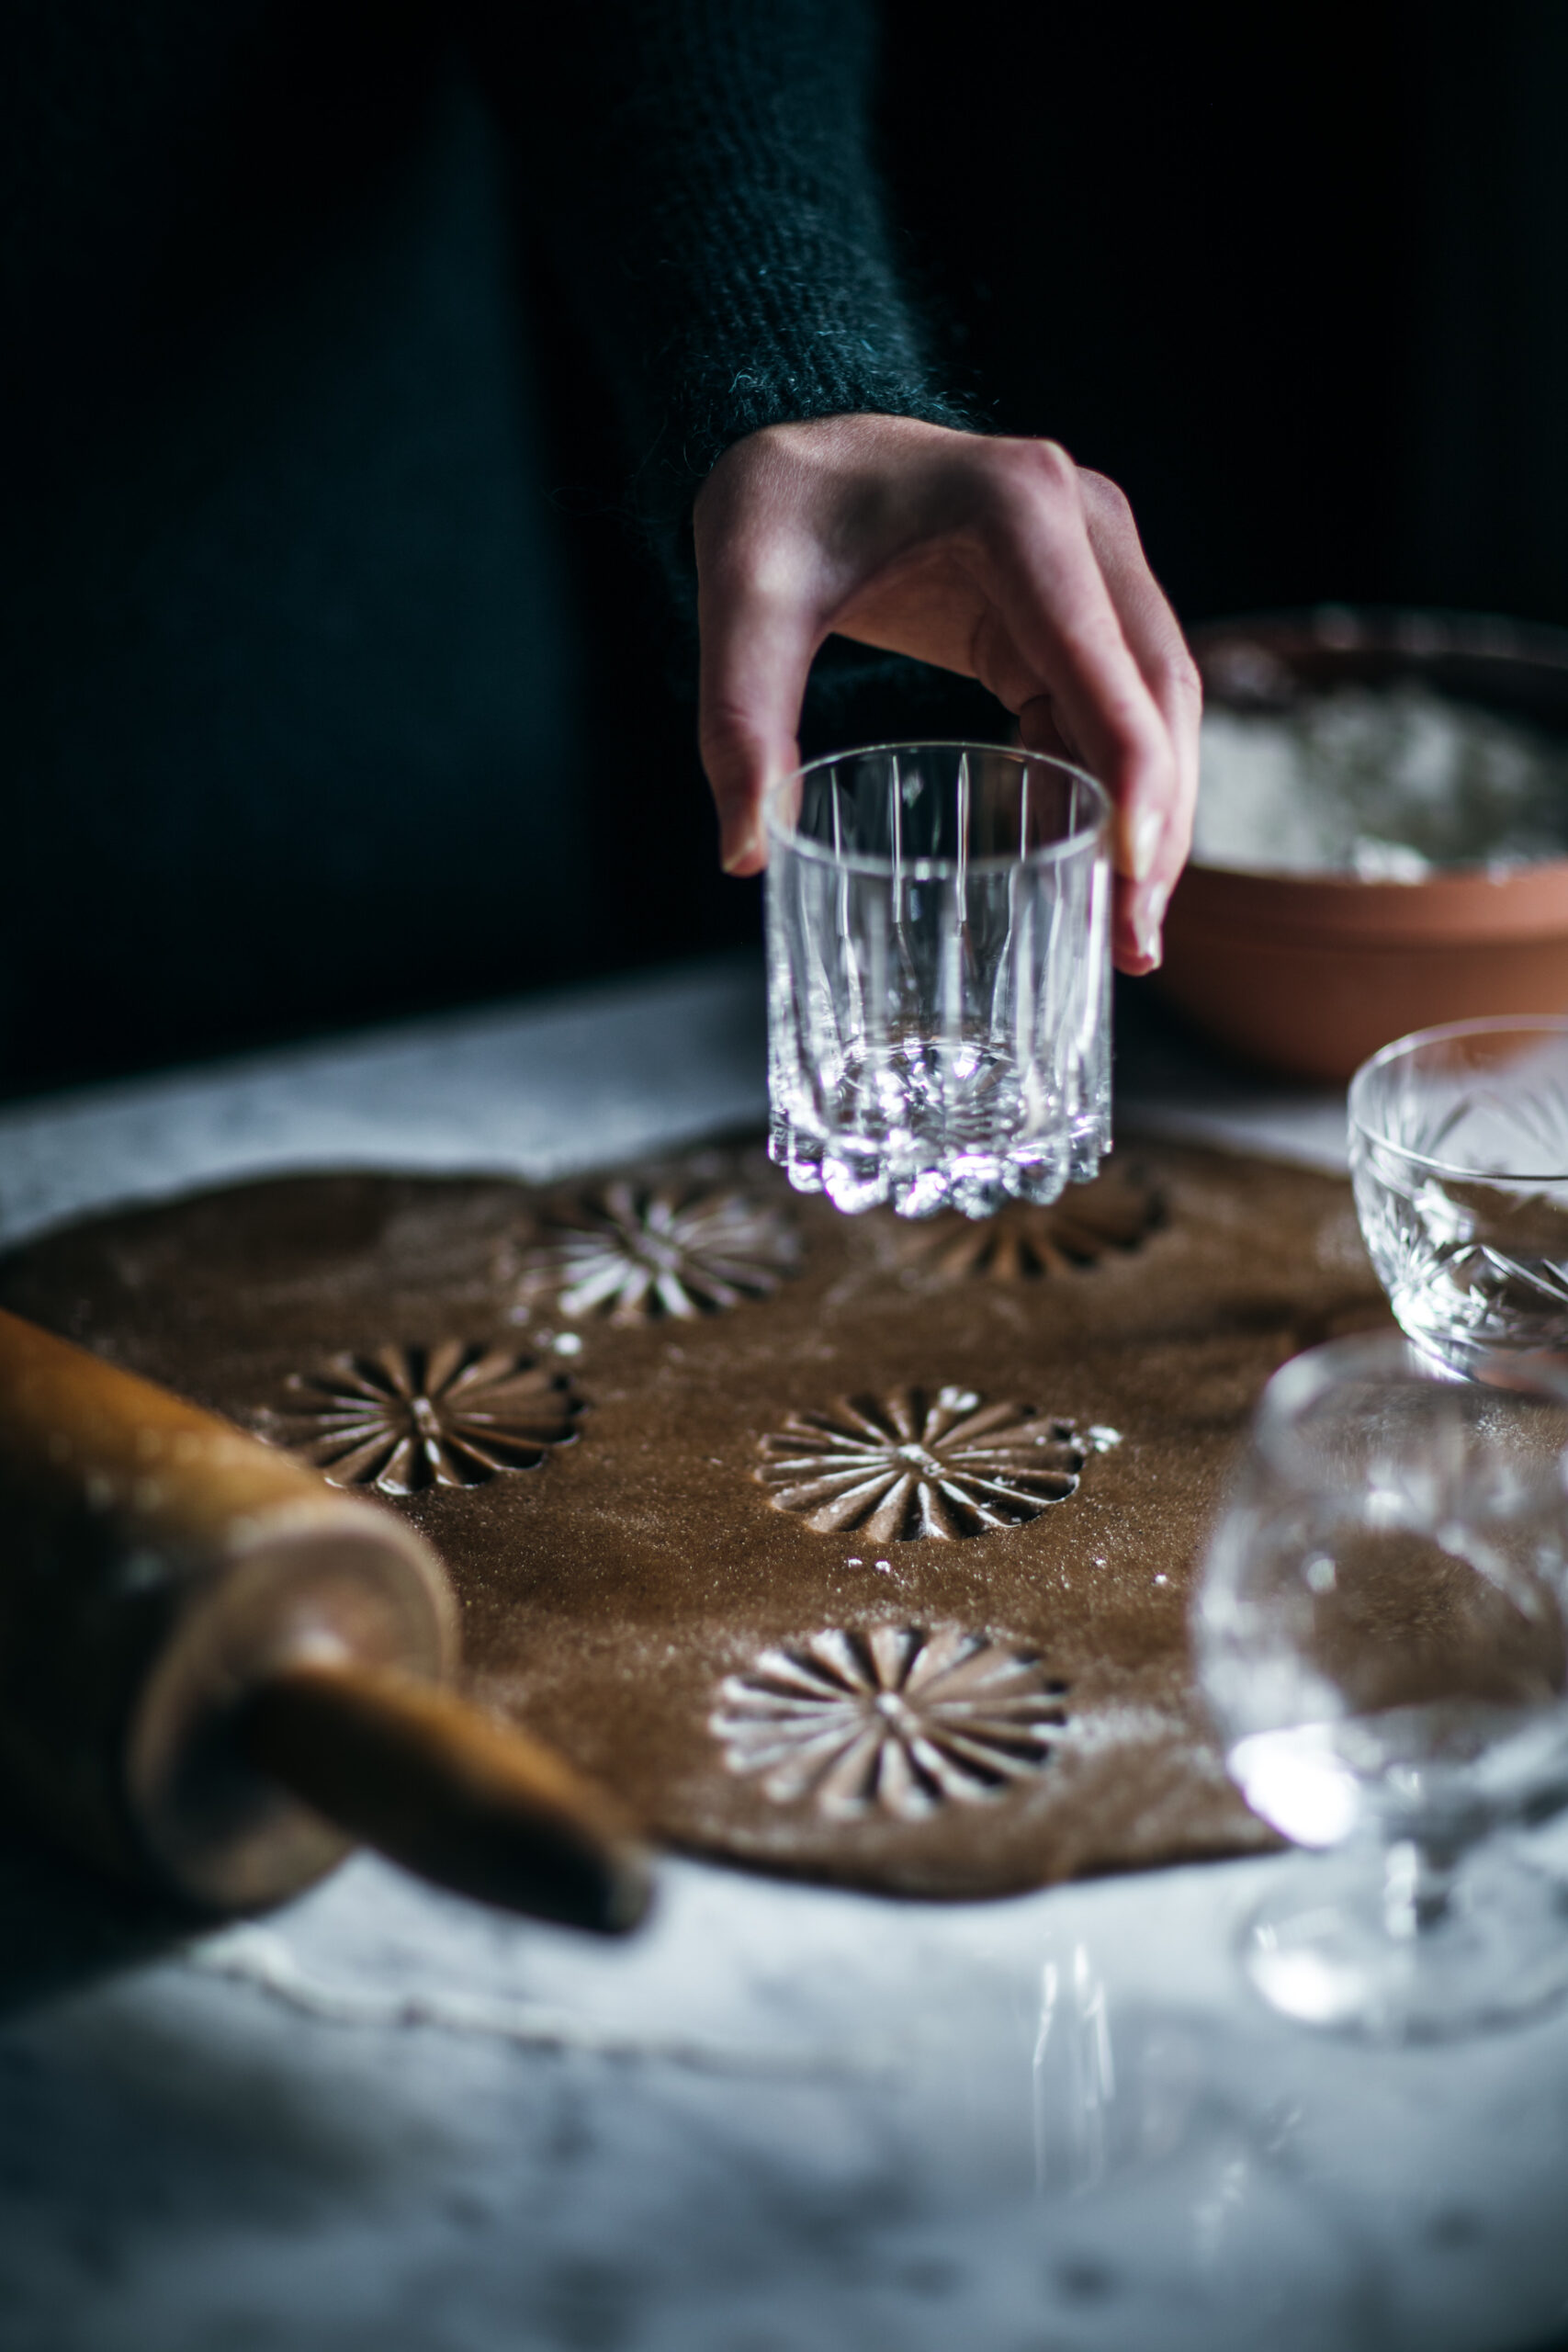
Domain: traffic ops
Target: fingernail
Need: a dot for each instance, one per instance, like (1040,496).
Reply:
(1148,915)
(1148,832)
(741,845)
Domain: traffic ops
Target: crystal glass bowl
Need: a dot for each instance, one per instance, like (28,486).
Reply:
(1459,1154)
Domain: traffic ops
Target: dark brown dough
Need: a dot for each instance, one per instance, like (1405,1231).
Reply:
(961,1713)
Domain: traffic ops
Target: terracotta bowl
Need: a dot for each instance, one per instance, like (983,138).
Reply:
(1308,973)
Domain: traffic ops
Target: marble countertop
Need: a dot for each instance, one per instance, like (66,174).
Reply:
(781,2120)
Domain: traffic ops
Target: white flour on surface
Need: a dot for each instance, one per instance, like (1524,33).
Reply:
(1386,783)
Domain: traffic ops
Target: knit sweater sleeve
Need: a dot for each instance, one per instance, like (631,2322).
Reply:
(702,172)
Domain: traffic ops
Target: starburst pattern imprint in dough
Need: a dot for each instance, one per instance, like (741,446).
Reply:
(896,1719)
(638,1253)
(405,1419)
(908,1464)
(1023,1241)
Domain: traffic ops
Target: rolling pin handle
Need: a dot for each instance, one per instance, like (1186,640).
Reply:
(412,1770)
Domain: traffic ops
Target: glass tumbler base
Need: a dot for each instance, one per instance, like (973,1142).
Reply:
(1319,1948)
(860,1172)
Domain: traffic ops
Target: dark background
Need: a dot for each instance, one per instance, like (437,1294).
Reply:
(335,681)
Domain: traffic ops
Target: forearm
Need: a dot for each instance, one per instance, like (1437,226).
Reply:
(701,172)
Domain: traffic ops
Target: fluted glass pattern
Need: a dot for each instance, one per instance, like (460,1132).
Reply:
(939,977)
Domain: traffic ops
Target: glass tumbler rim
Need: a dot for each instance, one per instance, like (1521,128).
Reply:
(924,869)
(1387,1358)
(1489,1024)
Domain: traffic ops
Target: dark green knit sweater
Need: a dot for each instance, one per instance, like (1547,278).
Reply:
(289,670)
(707,192)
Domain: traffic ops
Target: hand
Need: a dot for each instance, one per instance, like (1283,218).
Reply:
(998,558)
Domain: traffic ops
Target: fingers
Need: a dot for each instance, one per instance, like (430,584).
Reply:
(1061,656)
(1154,640)
(756,610)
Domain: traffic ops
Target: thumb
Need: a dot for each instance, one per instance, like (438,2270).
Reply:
(757,649)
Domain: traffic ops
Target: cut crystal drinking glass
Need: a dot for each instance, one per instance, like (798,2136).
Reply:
(939,977)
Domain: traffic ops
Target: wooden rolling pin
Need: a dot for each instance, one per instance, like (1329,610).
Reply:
(217,1672)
